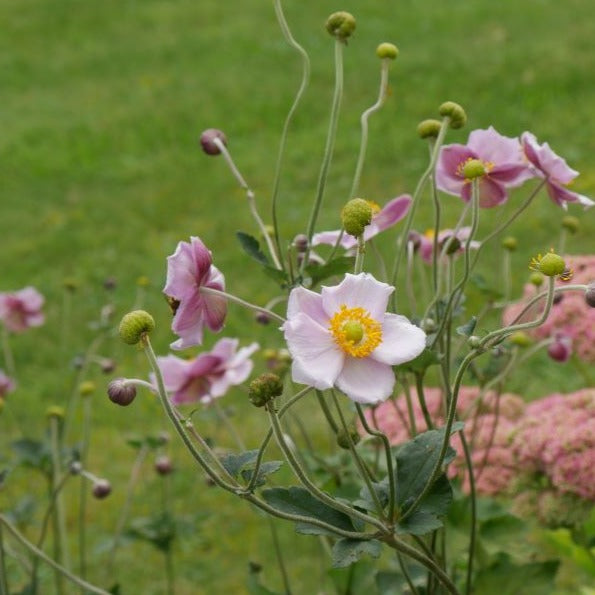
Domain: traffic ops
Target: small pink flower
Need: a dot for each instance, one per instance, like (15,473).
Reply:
(7,384)
(20,310)
(426,246)
(208,376)
(189,269)
(344,337)
(502,158)
(555,170)
(392,212)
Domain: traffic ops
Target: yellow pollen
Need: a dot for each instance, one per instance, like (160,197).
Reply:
(374,206)
(488,166)
(355,332)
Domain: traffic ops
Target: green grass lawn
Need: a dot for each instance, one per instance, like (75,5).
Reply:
(101,107)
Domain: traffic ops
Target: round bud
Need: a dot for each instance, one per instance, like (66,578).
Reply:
(75,467)
(473,168)
(429,128)
(561,349)
(387,50)
(341,25)
(452,110)
(590,295)
(551,265)
(520,339)
(163,465)
(428,325)
(264,388)
(474,341)
(121,393)
(300,243)
(452,243)
(207,141)
(70,284)
(108,365)
(262,318)
(135,325)
(87,388)
(110,283)
(570,223)
(355,215)
(536,279)
(343,437)
(102,489)
(509,243)
(55,411)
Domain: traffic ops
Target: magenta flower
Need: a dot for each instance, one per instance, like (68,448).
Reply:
(188,270)
(20,310)
(7,384)
(208,376)
(344,337)
(503,161)
(555,170)
(392,212)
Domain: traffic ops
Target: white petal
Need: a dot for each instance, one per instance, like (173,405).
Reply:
(401,341)
(308,302)
(358,290)
(365,380)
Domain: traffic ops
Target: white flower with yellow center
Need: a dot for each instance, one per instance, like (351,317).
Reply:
(344,337)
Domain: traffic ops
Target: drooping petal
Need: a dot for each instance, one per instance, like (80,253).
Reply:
(561,196)
(392,212)
(366,380)
(188,322)
(308,302)
(357,291)
(401,341)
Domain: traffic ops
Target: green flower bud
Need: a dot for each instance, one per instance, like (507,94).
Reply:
(55,411)
(452,110)
(590,295)
(509,243)
(87,388)
(135,325)
(355,215)
(429,128)
(387,50)
(341,25)
(570,223)
(343,437)
(520,339)
(264,388)
(536,279)
(473,168)
(551,265)
(474,341)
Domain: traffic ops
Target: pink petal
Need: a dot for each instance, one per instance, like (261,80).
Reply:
(365,380)
(401,341)
(448,178)
(392,212)
(308,302)
(561,196)
(174,371)
(492,146)
(357,291)
(491,193)
(31,298)
(331,237)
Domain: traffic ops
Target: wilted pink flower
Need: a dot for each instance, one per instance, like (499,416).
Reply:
(189,269)
(503,161)
(555,170)
(7,384)
(392,212)
(344,337)
(21,309)
(208,376)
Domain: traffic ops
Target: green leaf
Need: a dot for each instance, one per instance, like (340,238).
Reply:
(264,470)
(234,463)
(297,500)
(348,551)
(32,453)
(366,500)
(252,247)
(159,530)
(467,329)
(338,266)
(422,362)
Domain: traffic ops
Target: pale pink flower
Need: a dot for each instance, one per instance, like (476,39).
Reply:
(392,212)
(502,158)
(208,376)
(426,246)
(20,310)
(344,337)
(555,170)
(7,384)
(188,270)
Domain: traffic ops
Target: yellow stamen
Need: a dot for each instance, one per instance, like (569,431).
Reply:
(355,332)
(374,206)
(488,166)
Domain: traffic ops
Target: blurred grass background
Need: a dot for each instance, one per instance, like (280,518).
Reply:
(101,106)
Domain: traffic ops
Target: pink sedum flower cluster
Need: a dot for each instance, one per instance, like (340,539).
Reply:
(20,310)
(208,376)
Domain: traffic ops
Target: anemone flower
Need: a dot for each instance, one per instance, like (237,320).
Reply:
(344,337)
(555,170)
(188,270)
(209,375)
(20,310)
(392,212)
(503,161)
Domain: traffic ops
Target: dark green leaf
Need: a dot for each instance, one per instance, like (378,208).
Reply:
(264,470)
(348,551)
(32,453)
(252,247)
(337,266)
(234,463)
(366,500)
(467,329)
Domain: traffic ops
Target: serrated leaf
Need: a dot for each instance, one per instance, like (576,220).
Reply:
(338,266)
(366,500)
(234,463)
(466,330)
(252,247)
(297,500)
(264,470)
(348,551)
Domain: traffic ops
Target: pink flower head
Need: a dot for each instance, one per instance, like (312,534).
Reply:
(20,310)
(426,245)
(189,269)
(7,384)
(555,170)
(392,212)
(344,337)
(208,376)
(502,158)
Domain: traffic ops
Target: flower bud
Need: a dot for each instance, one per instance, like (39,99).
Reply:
(561,349)
(570,223)
(300,243)
(121,393)
(474,341)
(341,25)
(75,467)
(428,325)
(551,265)
(102,489)
(70,284)
(135,325)
(414,238)
(473,168)
(536,279)
(207,141)
(429,128)
(520,339)
(509,243)
(452,110)
(262,318)
(590,295)
(343,437)
(264,388)
(355,215)
(387,50)
(108,365)
(163,465)
(110,283)
(55,411)
(87,388)
(452,244)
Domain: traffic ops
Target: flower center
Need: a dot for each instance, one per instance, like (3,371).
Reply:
(487,165)
(355,332)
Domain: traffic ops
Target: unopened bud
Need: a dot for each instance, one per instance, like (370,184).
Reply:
(536,279)
(387,50)
(75,467)
(163,465)
(207,141)
(87,388)
(474,341)
(300,243)
(520,339)
(571,223)
(551,265)
(135,326)
(561,349)
(590,295)
(262,318)
(108,365)
(121,393)
(355,215)
(264,388)
(428,325)
(102,489)
(55,411)
(346,438)
(473,168)
(429,128)
(452,110)
(452,245)
(341,25)
(509,243)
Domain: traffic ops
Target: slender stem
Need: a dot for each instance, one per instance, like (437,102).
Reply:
(405,573)
(57,567)
(241,302)
(83,489)
(3,571)
(359,255)
(229,425)
(7,351)
(473,499)
(327,412)
(419,385)
(279,553)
